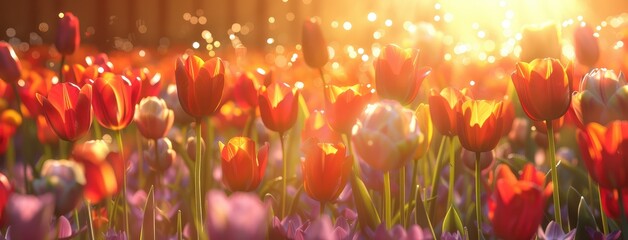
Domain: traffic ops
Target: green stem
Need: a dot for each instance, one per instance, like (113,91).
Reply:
(179,226)
(387,201)
(61,68)
(602,214)
(452,176)
(207,180)
(413,187)
(320,71)
(76,219)
(249,124)
(622,212)
(552,161)
(356,164)
(478,199)
(140,160)
(124,202)
(322,208)
(97,129)
(197,183)
(284,176)
(10,156)
(402,196)
(89,220)
(436,175)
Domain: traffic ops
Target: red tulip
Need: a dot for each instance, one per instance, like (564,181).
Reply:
(544,88)
(10,120)
(586,46)
(480,124)
(326,169)
(45,132)
(517,206)
(10,67)
(68,110)
(5,193)
(150,82)
(33,84)
(398,75)
(80,75)
(610,202)
(279,106)
(114,101)
(313,44)
(343,105)
(153,117)
(68,34)
(242,170)
(200,85)
(604,151)
(316,126)
(443,108)
(100,169)
(245,91)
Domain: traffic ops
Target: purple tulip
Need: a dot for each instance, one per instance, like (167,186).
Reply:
(240,216)
(65,180)
(30,216)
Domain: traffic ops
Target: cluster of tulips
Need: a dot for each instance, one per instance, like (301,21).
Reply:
(92,151)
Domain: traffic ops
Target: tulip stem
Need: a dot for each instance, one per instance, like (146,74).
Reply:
(76,219)
(387,201)
(322,208)
(140,160)
(602,214)
(452,176)
(97,130)
(284,177)
(61,68)
(622,212)
(90,223)
(179,226)
(478,199)
(320,71)
(413,186)
(356,164)
(436,176)
(197,182)
(124,202)
(402,196)
(552,160)
(208,176)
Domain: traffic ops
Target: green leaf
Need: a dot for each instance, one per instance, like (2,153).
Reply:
(148,225)
(367,214)
(585,220)
(452,222)
(573,203)
(421,214)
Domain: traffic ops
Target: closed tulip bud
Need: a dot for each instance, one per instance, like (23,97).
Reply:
(200,85)
(68,34)
(603,149)
(424,118)
(600,98)
(68,110)
(29,216)
(386,135)
(316,126)
(540,42)
(398,75)
(313,44)
(343,105)
(586,46)
(114,100)
(517,206)
(5,192)
(10,67)
(468,158)
(544,88)
(65,180)
(242,169)
(480,123)
(443,108)
(153,117)
(191,148)
(160,156)
(279,106)
(99,164)
(326,168)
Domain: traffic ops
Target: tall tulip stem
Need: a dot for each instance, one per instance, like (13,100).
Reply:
(90,224)
(124,202)
(322,208)
(452,176)
(61,68)
(478,199)
(602,214)
(387,201)
(552,160)
(436,175)
(284,176)
(622,212)
(208,177)
(197,182)
(402,196)
(413,186)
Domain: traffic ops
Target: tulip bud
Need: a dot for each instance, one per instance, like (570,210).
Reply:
(191,148)
(10,67)
(398,75)
(68,34)
(160,156)
(279,106)
(326,169)
(29,216)
(540,42)
(153,117)
(586,46)
(242,169)
(313,44)
(65,180)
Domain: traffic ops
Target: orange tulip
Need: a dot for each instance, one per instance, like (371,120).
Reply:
(604,150)
(422,114)
(343,105)
(10,67)
(68,34)
(79,75)
(200,85)
(100,173)
(68,110)
(480,124)
(114,101)
(443,107)
(326,168)
(279,106)
(544,88)
(398,75)
(242,170)
(313,44)
(517,206)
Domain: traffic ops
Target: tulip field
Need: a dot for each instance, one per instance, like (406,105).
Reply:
(518,136)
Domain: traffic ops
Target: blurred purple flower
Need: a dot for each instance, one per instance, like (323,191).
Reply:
(30,216)
(553,231)
(65,180)
(595,235)
(414,232)
(240,216)
(451,236)
(114,235)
